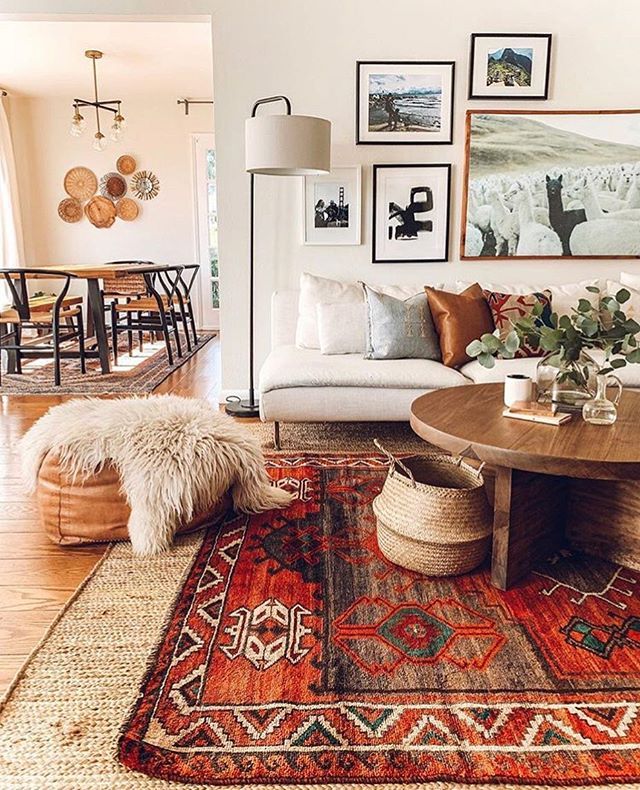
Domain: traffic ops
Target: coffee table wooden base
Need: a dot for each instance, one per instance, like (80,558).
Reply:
(534,514)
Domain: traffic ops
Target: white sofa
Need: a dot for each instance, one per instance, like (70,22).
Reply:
(303,385)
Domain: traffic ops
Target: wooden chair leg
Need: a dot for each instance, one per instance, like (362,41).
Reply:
(18,341)
(56,352)
(129,335)
(176,330)
(165,335)
(83,359)
(192,320)
(276,436)
(114,333)
(184,320)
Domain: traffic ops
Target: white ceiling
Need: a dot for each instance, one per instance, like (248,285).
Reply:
(46,58)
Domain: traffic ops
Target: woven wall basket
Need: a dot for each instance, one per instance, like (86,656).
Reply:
(433,515)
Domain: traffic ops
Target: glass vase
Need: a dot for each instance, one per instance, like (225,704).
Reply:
(567,382)
(599,410)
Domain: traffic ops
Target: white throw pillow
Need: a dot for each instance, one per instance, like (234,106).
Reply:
(320,290)
(631,308)
(563,297)
(342,328)
(630,280)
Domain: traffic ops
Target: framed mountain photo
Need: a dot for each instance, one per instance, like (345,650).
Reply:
(509,65)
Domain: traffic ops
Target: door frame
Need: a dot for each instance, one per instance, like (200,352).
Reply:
(208,317)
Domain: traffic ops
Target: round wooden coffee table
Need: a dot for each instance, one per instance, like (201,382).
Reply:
(577,479)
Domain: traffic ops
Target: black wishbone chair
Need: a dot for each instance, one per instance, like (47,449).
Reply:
(44,315)
(153,313)
(184,302)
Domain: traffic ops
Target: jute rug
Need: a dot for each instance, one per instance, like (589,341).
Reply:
(60,721)
(139,373)
(297,653)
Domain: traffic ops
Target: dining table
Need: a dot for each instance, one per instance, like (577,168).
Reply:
(93,273)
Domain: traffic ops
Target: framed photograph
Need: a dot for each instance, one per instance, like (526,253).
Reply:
(552,184)
(404,102)
(411,213)
(332,207)
(509,65)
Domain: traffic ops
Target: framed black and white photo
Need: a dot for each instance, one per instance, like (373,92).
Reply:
(404,102)
(332,207)
(411,213)
(509,65)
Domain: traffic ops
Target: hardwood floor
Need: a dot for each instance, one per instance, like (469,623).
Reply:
(37,577)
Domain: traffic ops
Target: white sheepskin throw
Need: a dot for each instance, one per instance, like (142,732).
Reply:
(175,456)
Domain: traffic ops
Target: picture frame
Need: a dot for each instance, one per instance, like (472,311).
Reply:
(556,198)
(332,207)
(411,213)
(404,102)
(509,66)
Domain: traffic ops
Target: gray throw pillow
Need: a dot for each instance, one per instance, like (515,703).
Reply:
(400,328)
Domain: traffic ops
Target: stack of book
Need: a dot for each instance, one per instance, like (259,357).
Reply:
(536,412)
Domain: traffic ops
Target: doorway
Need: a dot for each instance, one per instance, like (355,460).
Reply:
(206,215)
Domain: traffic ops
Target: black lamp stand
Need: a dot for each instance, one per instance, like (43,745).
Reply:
(251,407)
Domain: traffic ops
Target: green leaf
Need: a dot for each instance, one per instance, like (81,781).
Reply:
(512,342)
(589,327)
(634,356)
(623,296)
(486,360)
(491,343)
(592,289)
(475,348)
(564,322)
(584,306)
(618,362)
(537,309)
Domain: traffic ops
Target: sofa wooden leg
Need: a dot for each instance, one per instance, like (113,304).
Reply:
(276,436)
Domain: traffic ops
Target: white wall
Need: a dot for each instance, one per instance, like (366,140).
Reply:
(158,136)
(308,51)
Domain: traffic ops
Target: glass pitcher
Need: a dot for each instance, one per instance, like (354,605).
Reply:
(600,410)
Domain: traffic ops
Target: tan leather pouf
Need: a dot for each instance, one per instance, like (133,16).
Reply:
(93,510)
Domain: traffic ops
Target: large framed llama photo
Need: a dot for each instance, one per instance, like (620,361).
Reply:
(551,184)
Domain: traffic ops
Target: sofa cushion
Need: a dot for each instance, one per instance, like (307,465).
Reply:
(289,366)
(503,367)
(508,309)
(629,375)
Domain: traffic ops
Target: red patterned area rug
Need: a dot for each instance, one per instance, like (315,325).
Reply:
(297,654)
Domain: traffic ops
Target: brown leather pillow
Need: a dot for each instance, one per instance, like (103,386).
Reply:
(459,319)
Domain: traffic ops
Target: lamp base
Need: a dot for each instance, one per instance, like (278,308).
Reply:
(242,408)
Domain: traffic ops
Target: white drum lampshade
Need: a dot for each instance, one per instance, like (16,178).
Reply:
(287,145)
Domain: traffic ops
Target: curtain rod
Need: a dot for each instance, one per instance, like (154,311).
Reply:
(187,102)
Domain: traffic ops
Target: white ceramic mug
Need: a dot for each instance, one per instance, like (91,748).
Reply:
(517,388)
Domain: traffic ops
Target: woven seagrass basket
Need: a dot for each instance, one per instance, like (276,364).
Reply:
(433,515)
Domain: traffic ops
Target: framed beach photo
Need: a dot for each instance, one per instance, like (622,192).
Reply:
(509,65)
(552,184)
(332,207)
(411,213)
(404,102)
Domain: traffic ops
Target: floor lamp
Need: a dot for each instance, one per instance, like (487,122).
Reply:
(277,145)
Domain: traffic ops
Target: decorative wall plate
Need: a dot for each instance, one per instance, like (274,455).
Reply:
(126,164)
(100,212)
(113,186)
(70,210)
(80,183)
(127,209)
(145,184)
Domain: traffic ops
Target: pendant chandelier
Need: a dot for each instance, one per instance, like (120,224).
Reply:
(78,123)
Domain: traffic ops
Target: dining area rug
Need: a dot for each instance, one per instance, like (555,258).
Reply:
(140,372)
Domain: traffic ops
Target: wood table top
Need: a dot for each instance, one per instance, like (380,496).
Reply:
(468,420)
(90,271)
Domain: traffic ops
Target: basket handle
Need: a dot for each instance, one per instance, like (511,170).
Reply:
(469,452)
(396,462)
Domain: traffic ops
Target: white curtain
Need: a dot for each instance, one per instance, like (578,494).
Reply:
(11,248)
